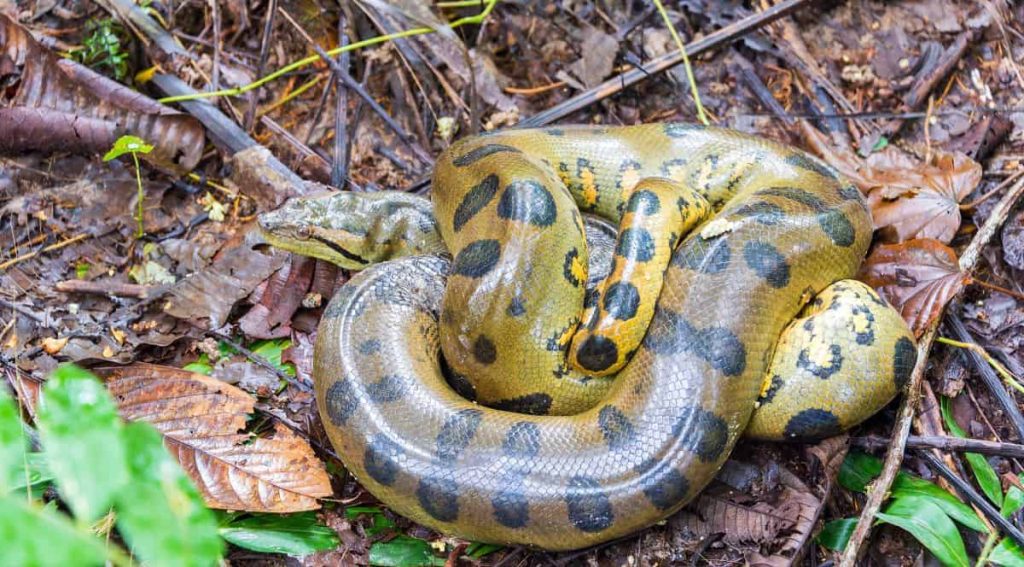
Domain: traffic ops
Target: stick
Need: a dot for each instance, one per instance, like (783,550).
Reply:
(897,445)
(944,443)
(114,289)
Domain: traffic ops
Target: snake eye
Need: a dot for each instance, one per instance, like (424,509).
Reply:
(304,232)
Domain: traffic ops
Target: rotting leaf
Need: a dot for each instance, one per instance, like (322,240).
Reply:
(200,419)
(918,277)
(52,104)
(908,199)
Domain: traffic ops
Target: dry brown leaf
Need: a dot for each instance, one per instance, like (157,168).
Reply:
(200,419)
(51,104)
(918,277)
(908,199)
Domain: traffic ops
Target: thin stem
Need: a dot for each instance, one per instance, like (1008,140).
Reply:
(333,52)
(998,288)
(686,63)
(1009,378)
(142,195)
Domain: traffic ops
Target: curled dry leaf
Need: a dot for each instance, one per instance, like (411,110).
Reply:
(908,198)
(918,277)
(53,104)
(200,419)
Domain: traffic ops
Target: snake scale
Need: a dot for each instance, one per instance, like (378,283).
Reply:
(726,291)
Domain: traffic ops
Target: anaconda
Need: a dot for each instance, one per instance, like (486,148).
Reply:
(750,307)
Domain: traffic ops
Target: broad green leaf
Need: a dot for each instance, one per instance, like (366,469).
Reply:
(859,469)
(127,145)
(836,534)
(271,350)
(1013,502)
(81,431)
(1007,553)
(292,534)
(160,513)
(404,551)
(930,526)
(12,444)
(987,478)
(32,535)
(200,366)
(32,474)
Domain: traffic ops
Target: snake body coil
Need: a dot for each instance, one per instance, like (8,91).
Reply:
(727,330)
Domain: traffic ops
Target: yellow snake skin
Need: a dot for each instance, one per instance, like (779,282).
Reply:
(752,308)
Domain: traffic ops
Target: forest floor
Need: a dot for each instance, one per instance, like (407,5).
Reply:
(920,102)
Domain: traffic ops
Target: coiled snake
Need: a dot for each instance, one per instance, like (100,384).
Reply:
(753,241)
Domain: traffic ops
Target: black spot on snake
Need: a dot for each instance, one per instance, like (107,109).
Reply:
(773,388)
(796,195)
(622,300)
(341,401)
(663,485)
(340,250)
(484,350)
(679,130)
(475,200)
(388,389)
(571,258)
(461,384)
(762,212)
(812,424)
(590,510)
(522,440)
(710,256)
(457,432)
(515,307)
(368,347)
(849,193)
(439,497)
(554,131)
(702,432)
(477,258)
(808,163)
(635,244)
(837,227)
(666,167)
(527,201)
(903,360)
(533,404)
(643,201)
(617,429)
(721,348)
(823,371)
(867,336)
(597,353)
(767,262)
(511,508)
(380,459)
(480,152)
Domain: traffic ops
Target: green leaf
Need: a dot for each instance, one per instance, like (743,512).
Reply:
(404,551)
(160,513)
(127,145)
(1007,553)
(1013,502)
(12,444)
(930,526)
(200,366)
(272,350)
(836,534)
(859,469)
(476,550)
(987,478)
(381,523)
(81,431)
(36,536)
(32,474)
(293,534)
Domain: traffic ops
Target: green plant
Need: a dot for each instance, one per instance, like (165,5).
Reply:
(134,146)
(107,473)
(102,48)
(928,513)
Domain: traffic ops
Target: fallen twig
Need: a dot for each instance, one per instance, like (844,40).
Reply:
(897,445)
(114,289)
(944,443)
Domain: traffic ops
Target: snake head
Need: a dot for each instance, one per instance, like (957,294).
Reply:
(353,230)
